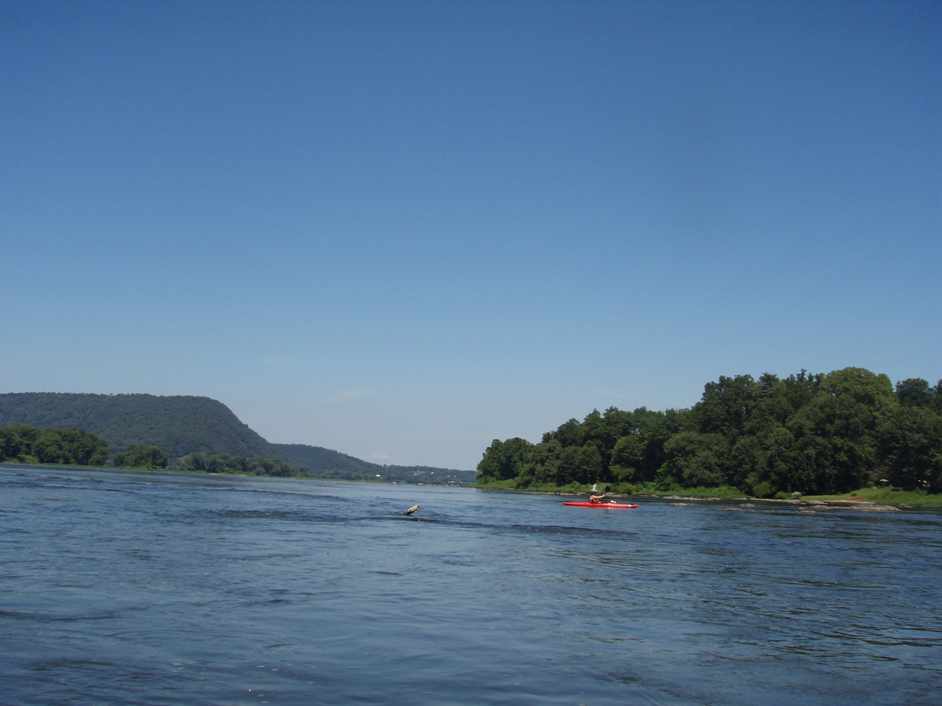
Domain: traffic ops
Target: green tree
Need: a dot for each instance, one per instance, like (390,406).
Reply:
(772,405)
(800,389)
(727,405)
(142,456)
(569,433)
(581,464)
(694,459)
(628,458)
(780,472)
(51,445)
(83,448)
(835,432)
(616,424)
(655,429)
(873,390)
(910,447)
(504,460)
(747,466)
(543,464)
(48,447)
(834,445)
(914,392)
(9,444)
(20,440)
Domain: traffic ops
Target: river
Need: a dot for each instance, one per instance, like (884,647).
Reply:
(174,589)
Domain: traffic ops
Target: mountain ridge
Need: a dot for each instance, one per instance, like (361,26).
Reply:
(183,424)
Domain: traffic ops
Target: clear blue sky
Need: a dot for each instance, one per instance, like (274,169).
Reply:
(402,229)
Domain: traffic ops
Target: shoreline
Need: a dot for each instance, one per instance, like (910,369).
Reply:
(861,505)
(811,503)
(808,504)
(139,471)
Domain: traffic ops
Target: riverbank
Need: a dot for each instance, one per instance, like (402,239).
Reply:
(864,499)
(19,465)
(900,499)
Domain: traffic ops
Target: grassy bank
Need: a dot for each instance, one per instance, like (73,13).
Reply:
(903,499)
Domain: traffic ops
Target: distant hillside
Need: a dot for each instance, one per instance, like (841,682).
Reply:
(315,458)
(338,465)
(181,425)
(426,474)
(178,425)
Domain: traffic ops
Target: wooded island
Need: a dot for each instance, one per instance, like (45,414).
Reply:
(771,437)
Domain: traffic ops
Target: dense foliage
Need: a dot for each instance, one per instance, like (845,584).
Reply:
(224,463)
(26,444)
(321,459)
(142,456)
(820,433)
(70,446)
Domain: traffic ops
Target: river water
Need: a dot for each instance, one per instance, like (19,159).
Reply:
(140,589)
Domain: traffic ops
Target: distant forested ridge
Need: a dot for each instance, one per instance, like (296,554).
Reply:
(426,474)
(314,457)
(338,465)
(176,424)
(187,432)
(807,433)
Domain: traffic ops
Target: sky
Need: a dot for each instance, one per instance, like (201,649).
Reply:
(401,230)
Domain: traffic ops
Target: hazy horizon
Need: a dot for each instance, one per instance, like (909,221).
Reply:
(403,230)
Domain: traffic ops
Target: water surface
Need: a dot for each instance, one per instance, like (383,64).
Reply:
(155,589)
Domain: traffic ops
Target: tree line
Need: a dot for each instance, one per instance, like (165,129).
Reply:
(219,463)
(806,433)
(20,442)
(26,444)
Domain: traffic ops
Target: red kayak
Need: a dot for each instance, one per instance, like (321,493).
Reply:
(602,506)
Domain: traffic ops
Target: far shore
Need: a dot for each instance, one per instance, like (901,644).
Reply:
(141,471)
(864,499)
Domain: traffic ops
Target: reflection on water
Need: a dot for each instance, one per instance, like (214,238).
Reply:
(186,589)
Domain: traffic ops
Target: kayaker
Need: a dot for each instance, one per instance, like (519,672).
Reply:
(594,497)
